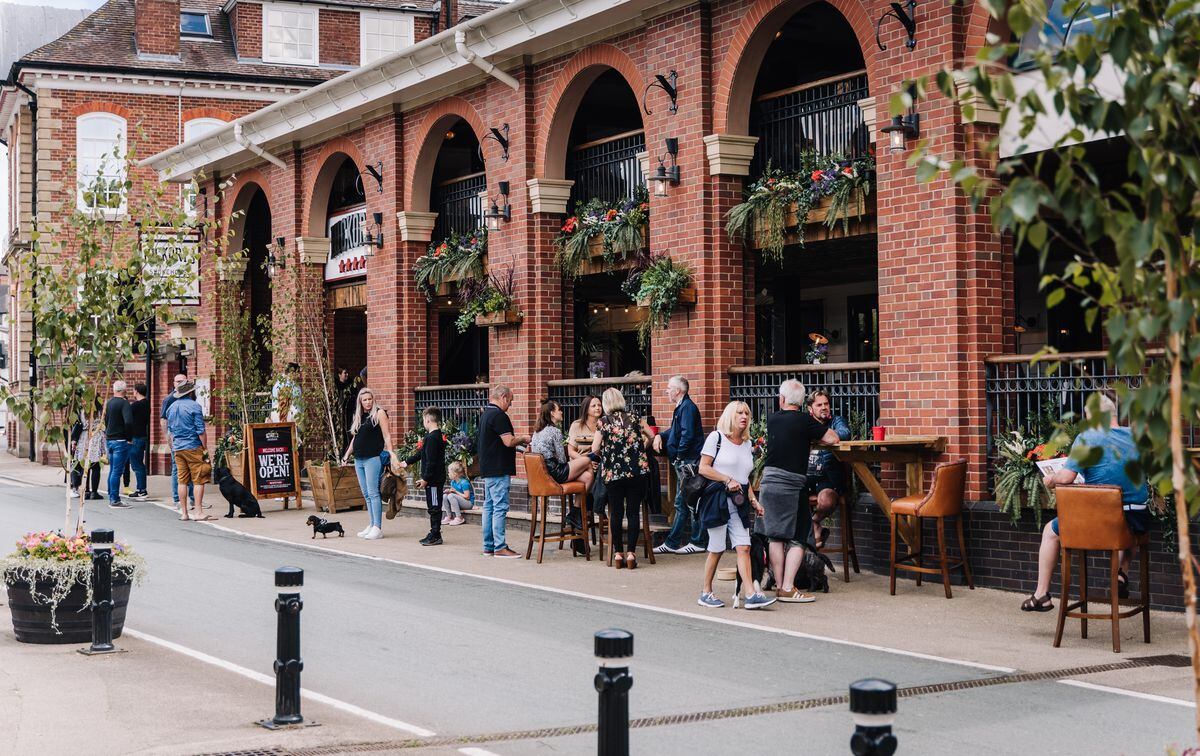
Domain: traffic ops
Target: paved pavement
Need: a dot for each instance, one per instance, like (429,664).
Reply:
(479,657)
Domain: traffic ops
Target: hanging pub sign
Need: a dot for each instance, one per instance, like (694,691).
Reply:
(274,460)
(178,252)
(347,245)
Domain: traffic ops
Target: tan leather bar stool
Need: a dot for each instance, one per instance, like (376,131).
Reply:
(541,488)
(1090,518)
(945,499)
(849,553)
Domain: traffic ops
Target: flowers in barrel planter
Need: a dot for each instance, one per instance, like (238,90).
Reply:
(49,565)
(818,351)
(461,441)
(1018,481)
(619,224)
(660,286)
(758,450)
(494,294)
(457,257)
(767,214)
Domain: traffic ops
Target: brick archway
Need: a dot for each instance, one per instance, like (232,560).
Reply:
(242,192)
(317,191)
(979,24)
(735,82)
(430,133)
(99,106)
(571,85)
(192,114)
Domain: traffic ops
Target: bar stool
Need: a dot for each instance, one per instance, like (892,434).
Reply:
(541,488)
(606,535)
(945,499)
(849,553)
(1090,518)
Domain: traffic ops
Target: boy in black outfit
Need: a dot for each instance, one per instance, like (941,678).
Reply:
(432,456)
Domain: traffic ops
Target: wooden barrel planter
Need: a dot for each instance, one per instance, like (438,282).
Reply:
(236,465)
(31,620)
(335,487)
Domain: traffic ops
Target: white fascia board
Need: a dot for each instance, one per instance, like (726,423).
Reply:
(1051,127)
(519,28)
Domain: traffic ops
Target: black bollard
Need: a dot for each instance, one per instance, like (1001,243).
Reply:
(288,663)
(873,707)
(614,649)
(102,603)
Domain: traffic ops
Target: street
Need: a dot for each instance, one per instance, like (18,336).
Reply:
(467,660)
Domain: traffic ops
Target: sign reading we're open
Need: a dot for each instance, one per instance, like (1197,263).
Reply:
(273,459)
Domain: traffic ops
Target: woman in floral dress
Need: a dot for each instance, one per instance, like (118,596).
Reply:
(618,447)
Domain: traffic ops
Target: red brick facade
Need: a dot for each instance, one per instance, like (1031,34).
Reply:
(157,27)
(339,37)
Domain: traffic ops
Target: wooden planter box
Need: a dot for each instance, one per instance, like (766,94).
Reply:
(596,252)
(861,215)
(687,298)
(236,465)
(334,487)
(448,285)
(511,316)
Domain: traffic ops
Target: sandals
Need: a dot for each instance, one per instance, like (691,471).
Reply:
(619,561)
(1035,604)
(631,561)
(205,518)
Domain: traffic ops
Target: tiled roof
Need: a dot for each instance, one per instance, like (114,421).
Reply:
(105,41)
(473,9)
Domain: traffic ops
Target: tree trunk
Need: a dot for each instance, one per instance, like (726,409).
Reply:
(1179,461)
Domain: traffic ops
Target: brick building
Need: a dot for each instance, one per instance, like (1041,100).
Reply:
(152,74)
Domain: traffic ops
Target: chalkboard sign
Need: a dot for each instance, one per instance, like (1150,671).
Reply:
(274,461)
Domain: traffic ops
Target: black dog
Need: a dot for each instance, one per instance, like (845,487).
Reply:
(236,494)
(324,527)
(760,567)
(811,575)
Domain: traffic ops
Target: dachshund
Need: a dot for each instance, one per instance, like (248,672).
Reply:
(324,527)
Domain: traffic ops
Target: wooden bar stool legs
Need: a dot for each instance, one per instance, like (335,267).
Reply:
(914,561)
(1079,609)
(606,526)
(849,553)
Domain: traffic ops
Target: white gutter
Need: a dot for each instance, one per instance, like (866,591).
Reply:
(241,139)
(460,45)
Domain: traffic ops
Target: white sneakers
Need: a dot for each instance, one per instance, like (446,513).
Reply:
(373,534)
(363,533)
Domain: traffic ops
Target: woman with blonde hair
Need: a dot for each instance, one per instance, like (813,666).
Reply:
(370,440)
(725,505)
(618,446)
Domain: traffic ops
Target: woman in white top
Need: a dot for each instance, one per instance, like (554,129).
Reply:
(727,459)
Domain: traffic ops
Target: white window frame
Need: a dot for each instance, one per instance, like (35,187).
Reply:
(207,23)
(192,128)
(83,174)
(307,10)
(365,19)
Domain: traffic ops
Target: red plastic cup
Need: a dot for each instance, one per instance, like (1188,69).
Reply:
(878,432)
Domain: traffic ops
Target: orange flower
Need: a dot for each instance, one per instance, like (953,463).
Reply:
(816,176)
(848,171)
(610,215)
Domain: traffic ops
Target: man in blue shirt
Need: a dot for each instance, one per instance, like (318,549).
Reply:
(1117,450)
(683,441)
(185,423)
(826,478)
(168,400)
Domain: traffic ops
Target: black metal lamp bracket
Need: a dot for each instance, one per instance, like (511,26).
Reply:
(500,135)
(668,84)
(907,16)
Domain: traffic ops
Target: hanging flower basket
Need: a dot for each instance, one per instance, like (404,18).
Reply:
(510,316)
(605,232)
(686,298)
(454,259)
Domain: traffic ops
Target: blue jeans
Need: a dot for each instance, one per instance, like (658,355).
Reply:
(175,483)
(679,527)
(118,455)
(137,460)
(368,471)
(495,512)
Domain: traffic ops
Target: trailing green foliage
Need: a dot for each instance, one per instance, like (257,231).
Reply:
(493,294)
(656,286)
(458,257)
(619,224)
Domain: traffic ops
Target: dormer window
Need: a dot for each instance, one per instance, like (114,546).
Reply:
(194,24)
(290,34)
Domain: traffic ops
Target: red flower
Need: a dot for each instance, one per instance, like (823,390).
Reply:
(420,444)
(570,225)
(770,182)
(848,171)
(610,215)
(816,176)
(644,206)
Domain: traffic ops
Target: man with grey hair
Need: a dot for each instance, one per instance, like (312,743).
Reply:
(683,441)
(118,429)
(784,486)
(497,464)
(1117,450)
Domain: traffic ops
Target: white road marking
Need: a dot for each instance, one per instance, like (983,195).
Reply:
(477,752)
(18,483)
(620,602)
(1130,693)
(228,666)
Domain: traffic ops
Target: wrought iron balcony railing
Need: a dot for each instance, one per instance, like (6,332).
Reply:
(820,116)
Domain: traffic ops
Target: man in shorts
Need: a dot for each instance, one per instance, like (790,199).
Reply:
(826,476)
(185,423)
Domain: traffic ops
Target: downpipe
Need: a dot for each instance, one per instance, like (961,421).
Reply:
(241,139)
(460,45)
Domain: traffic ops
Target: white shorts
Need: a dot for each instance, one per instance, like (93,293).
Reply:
(738,535)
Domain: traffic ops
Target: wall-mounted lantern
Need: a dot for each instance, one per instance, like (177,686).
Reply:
(665,177)
(497,212)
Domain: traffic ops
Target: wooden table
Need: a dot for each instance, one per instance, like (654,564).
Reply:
(909,451)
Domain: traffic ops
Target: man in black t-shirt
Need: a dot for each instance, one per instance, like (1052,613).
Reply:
(783,488)
(139,438)
(118,428)
(497,463)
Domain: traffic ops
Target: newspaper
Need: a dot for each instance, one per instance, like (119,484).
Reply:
(1050,466)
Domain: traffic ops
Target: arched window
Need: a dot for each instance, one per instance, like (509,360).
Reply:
(100,158)
(197,127)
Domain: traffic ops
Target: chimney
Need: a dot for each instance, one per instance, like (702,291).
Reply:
(156,27)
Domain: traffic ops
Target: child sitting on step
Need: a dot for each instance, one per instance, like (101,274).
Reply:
(461,494)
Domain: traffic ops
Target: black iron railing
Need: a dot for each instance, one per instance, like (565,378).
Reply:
(258,409)
(606,169)
(570,394)
(457,403)
(822,116)
(853,387)
(458,205)
(1034,396)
